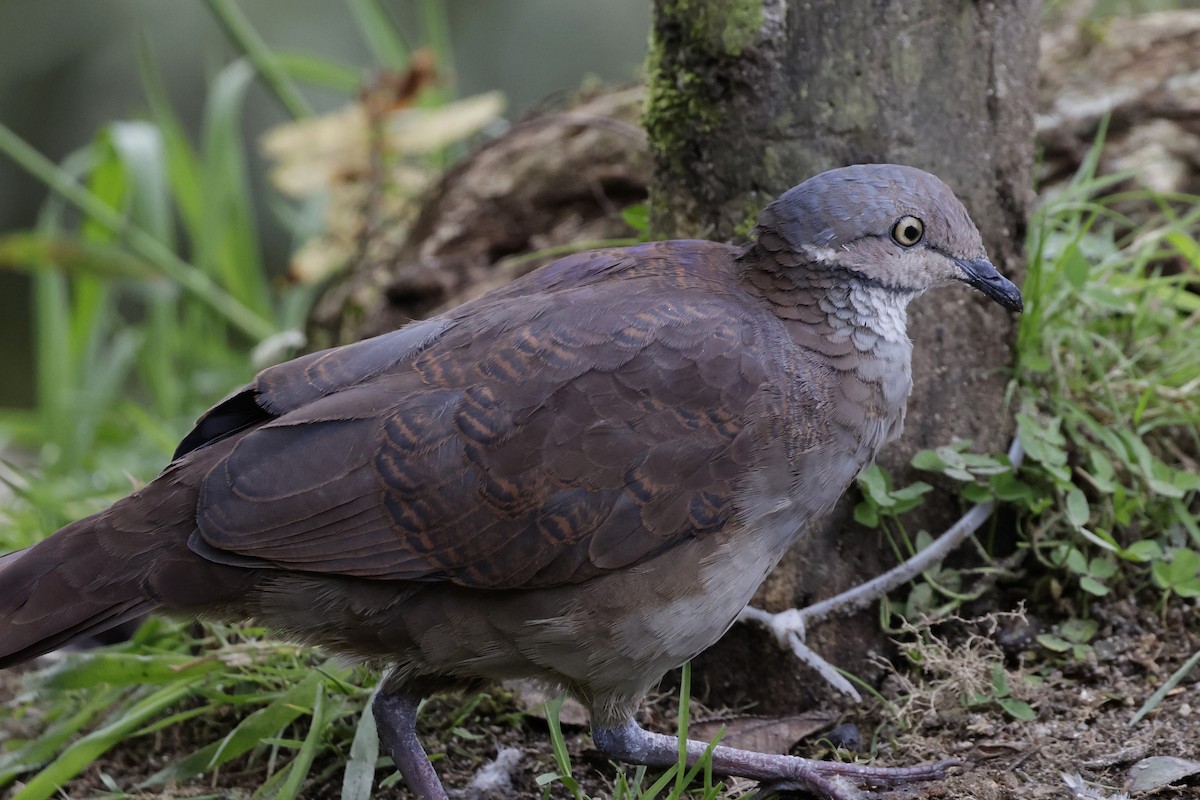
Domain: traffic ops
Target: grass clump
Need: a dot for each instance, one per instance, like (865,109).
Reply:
(1106,401)
(1108,373)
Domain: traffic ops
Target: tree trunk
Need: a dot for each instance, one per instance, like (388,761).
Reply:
(748,98)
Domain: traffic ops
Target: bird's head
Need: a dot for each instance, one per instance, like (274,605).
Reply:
(892,226)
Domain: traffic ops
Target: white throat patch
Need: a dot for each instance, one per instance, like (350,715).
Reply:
(870,309)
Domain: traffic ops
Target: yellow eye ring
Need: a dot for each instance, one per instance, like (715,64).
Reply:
(907,231)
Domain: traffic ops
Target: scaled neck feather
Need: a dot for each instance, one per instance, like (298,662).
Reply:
(840,305)
(846,328)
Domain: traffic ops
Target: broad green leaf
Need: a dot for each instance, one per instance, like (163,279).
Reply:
(976,494)
(1078,631)
(920,600)
(1017,709)
(1144,550)
(874,485)
(637,216)
(1102,472)
(929,460)
(999,680)
(1075,267)
(1052,642)
(1185,564)
(866,514)
(1160,572)
(1009,487)
(1189,587)
(1077,508)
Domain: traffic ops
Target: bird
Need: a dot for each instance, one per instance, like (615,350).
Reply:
(579,478)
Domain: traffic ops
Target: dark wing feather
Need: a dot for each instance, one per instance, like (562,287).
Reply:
(286,387)
(576,424)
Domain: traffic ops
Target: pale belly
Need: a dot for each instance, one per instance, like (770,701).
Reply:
(608,640)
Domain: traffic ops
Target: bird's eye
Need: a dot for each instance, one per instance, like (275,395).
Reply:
(908,231)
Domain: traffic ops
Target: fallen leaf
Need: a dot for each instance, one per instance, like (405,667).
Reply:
(762,734)
(1156,772)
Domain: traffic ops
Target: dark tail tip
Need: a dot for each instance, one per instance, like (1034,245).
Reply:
(60,589)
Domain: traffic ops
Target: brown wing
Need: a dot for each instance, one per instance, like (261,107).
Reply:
(537,439)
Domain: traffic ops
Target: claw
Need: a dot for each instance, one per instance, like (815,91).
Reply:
(834,780)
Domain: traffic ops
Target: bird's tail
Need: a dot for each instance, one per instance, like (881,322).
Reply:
(111,567)
(63,587)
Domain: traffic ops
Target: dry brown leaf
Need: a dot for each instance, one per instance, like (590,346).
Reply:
(763,734)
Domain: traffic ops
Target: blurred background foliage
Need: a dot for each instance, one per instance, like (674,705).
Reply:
(69,67)
(156,113)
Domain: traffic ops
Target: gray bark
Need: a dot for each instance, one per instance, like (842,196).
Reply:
(749,97)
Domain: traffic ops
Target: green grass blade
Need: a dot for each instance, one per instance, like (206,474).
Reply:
(558,745)
(81,671)
(229,249)
(659,786)
(437,33)
(301,765)
(238,28)
(30,251)
(55,373)
(249,732)
(1162,691)
(147,246)
(139,150)
(705,764)
(364,754)
(386,46)
(320,71)
(685,698)
(240,316)
(182,164)
(51,740)
(83,752)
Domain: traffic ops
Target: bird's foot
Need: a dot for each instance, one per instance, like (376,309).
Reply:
(788,629)
(831,780)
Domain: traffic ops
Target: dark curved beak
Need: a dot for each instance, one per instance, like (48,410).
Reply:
(980,273)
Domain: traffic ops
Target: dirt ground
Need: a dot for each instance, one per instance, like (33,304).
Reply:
(1083,707)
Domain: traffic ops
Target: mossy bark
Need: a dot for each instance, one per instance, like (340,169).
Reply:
(748,98)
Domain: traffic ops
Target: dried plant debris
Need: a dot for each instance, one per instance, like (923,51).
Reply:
(369,162)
